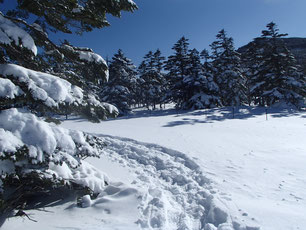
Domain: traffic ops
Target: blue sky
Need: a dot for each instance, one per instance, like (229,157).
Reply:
(160,23)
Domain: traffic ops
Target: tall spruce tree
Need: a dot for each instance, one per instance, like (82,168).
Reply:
(200,88)
(153,85)
(228,72)
(279,78)
(177,67)
(121,87)
(250,62)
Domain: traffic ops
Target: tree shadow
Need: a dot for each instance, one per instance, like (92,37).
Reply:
(42,201)
(231,113)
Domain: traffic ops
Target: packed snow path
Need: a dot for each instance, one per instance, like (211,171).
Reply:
(177,195)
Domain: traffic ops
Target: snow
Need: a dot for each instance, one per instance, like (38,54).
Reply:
(191,170)
(256,166)
(86,54)
(50,89)
(8,89)
(10,32)
(112,109)
(91,57)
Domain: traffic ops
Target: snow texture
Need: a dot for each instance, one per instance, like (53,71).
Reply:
(229,173)
(48,88)
(256,166)
(11,33)
(8,89)
(175,192)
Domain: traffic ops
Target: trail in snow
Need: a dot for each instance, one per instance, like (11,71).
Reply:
(178,195)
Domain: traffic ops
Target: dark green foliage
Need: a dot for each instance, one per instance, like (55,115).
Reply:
(228,72)
(121,87)
(65,15)
(29,175)
(177,67)
(153,84)
(202,91)
(276,77)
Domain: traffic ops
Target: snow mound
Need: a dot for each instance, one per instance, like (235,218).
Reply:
(10,32)
(48,88)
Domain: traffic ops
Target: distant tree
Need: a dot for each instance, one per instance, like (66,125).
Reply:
(177,67)
(250,62)
(228,72)
(121,87)
(200,88)
(153,85)
(279,78)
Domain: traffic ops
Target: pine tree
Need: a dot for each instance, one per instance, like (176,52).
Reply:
(200,87)
(177,67)
(36,152)
(121,87)
(153,81)
(279,78)
(251,61)
(228,72)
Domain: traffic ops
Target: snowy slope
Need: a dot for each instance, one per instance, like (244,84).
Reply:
(237,173)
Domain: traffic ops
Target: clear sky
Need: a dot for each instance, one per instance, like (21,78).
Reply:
(160,23)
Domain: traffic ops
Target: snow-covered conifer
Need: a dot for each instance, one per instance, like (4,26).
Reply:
(279,78)
(177,67)
(202,91)
(154,84)
(37,157)
(121,87)
(228,72)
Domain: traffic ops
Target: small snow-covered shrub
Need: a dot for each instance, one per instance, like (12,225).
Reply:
(36,157)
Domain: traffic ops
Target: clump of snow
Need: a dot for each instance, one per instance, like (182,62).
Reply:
(8,89)
(86,54)
(91,57)
(93,100)
(10,32)
(50,89)
(8,141)
(89,176)
(86,201)
(112,109)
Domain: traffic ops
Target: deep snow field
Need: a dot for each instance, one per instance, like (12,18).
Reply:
(192,170)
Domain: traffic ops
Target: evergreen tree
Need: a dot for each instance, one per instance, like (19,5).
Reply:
(279,78)
(153,81)
(38,153)
(251,61)
(228,72)
(200,88)
(121,87)
(177,67)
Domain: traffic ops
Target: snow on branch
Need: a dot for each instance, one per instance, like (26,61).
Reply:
(41,143)
(48,88)
(11,33)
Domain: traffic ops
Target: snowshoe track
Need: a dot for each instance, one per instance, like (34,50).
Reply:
(176,191)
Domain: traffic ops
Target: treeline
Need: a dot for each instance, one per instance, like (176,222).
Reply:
(265,74)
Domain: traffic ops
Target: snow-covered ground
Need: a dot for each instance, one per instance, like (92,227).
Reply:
(182,170)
